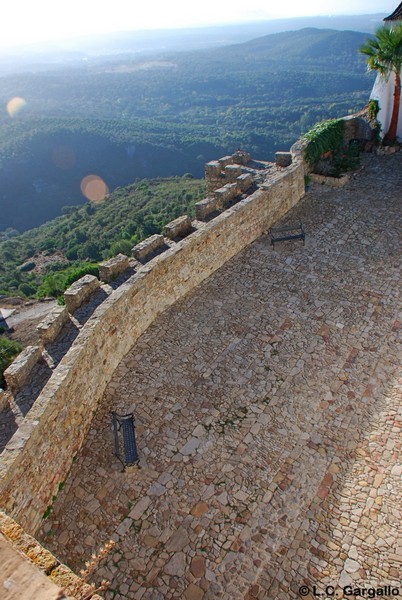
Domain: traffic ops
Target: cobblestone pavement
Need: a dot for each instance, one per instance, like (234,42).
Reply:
(268,412)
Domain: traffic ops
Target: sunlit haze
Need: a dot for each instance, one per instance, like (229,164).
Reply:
(25,21)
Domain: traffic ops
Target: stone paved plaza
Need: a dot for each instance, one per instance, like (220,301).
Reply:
(268,413)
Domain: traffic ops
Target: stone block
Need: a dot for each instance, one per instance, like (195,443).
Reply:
(225,194)
(232,172)
(225,161)
(112,268)
(283,159)
(178,228)
(51,326)
(17,374)
(213,170)
(245,181)
(241,158)
(80,291)
(144,249)
(205,207)
(331,181)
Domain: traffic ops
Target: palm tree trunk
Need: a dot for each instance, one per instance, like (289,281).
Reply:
(390,137)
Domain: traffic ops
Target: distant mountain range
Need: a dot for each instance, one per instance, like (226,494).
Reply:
(169,40)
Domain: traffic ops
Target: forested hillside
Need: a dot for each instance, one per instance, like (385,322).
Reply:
(126,117)
(45,260)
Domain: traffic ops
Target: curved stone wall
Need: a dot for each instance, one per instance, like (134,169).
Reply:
(39,456)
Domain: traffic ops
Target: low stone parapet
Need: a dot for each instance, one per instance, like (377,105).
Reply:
(18,373)
(112,268)
(144,249)
(205,207)
(178,228)
(80,291)
(51,326)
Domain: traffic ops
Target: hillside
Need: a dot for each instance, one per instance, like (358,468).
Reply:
(129,117)
(43,259)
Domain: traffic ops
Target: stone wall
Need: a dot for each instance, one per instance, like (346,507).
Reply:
(39,456)
(30,572)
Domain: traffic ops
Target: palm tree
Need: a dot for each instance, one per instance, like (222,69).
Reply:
(384,54)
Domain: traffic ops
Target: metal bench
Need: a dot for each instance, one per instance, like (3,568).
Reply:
(286,233)
(125,446)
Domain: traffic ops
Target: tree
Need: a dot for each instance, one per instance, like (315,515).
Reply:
(384,54)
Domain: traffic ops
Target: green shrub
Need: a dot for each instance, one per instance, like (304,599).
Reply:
(323,138)
(55,284)
(121,247)
(27,290)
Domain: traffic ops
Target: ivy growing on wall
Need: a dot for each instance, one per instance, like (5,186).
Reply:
(322,138)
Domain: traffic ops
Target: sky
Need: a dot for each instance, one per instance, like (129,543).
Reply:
(26,21)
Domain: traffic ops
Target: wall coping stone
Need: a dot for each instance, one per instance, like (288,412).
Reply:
(331,181)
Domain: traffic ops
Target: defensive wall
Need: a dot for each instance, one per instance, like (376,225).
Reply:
(39,456)
(242,204)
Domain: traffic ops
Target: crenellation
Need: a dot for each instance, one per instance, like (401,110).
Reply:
(112,268)
(226,161)
(225,170)
(148,247)
(51,326)
(205,208)
(232,172)
(245,181)
(80,291)
(178,228)
(18,373)
(283,159)
(225,194)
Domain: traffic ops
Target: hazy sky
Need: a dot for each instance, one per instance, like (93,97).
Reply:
(25,21)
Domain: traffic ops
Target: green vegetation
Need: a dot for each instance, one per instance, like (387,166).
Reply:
(65,249)
(324,137)
(384,54)
(8,351)
(326,152)
(127,117)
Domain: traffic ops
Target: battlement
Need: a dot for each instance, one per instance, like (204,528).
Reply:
(54,428)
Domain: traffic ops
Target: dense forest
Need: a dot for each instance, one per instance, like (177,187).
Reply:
(127,117)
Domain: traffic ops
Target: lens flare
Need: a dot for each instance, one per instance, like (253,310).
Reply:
(15,105)
(94,188)
(63,157)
